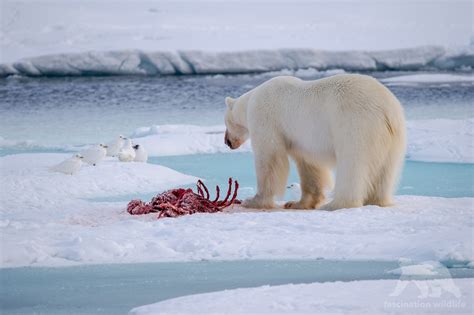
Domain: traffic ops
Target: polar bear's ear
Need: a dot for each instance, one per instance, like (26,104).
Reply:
(229,102)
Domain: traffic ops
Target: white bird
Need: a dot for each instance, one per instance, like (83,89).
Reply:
(69,166)
(94,154)
(140,154)
(295,191)
(114,147)
(127,154)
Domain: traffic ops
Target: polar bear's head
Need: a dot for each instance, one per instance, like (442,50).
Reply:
(235,121)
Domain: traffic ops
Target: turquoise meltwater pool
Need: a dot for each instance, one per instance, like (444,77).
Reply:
(418,178)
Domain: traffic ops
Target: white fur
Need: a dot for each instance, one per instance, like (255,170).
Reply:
(351,122)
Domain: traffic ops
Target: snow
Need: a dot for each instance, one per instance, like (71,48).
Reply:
(166,37)
(424,269)
(48,219)
(441,140)
(162,140)
(29,187)
(429,78)
(41,27)
(438,140)
(355,297)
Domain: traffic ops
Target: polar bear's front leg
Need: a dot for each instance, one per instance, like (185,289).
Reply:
(272,170)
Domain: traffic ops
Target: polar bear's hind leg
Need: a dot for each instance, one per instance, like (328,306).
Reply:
(314,179)
(353,168)
(351,185)
(386,179)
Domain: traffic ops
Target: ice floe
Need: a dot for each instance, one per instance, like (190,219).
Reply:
(429,78)
(441,140)
(48,219)
(443,296)
(28,187)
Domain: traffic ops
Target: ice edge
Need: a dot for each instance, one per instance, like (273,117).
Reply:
(137,62)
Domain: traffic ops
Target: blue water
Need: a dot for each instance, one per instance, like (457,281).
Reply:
(418,178)
(70,111)
(115,289)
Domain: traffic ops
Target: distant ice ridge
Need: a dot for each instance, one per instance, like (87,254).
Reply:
(137,62)
(437,140)
(428,78)
(5,143)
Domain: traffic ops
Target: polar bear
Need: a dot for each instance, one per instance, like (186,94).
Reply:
(350,122)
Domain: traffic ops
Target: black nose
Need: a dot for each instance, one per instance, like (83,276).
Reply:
(228,143)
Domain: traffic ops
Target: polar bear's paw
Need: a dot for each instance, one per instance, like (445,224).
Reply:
(297,205)
(336,205)
(258,202)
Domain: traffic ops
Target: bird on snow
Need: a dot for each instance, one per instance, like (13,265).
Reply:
(295,191)
(140,154)
(127,153)
(94,154)
(69,166)
(113,148)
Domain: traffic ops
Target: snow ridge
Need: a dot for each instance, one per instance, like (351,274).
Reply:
(137,62)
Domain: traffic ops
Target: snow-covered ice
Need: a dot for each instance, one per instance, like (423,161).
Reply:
(430,268)
(355,297)
(45,221)
(439,140)
(162,140)
(429,78)
(28,188)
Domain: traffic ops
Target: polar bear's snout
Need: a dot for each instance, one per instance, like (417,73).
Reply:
(236,132)
(227,141)
(231,143)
